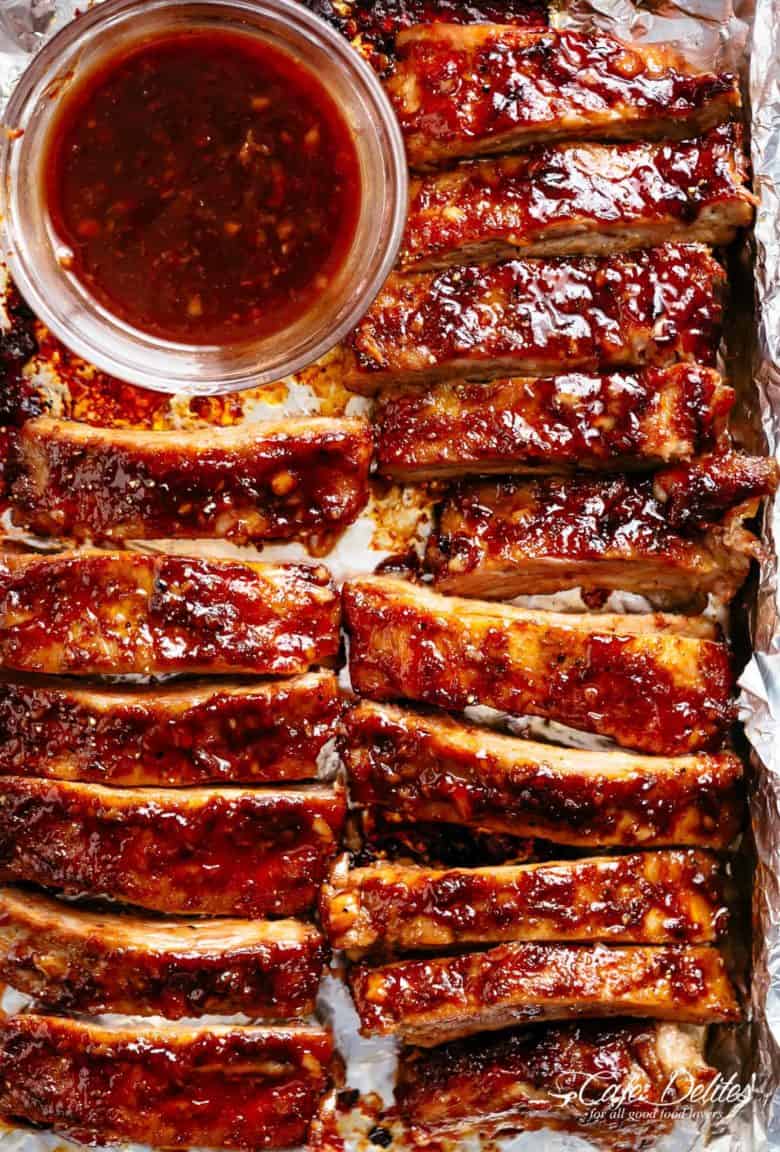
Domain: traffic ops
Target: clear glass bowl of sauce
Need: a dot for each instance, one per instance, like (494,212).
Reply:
(200,196)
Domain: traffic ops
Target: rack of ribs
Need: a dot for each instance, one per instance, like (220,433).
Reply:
(644,898)
(657,683)
(555,1072)
(554,424)
(74,959)
(539,318)
(248,483)
(580,199)
(210,851)
(473,91)
(507,538)
(434,1000)
(218,1086)
(127,612)
(430,768)
(254,732)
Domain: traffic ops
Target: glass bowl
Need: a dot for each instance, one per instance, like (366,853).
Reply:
(66,305)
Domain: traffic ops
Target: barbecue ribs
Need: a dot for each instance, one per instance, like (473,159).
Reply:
(656,683)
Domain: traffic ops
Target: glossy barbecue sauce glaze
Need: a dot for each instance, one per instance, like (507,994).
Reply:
(204,187)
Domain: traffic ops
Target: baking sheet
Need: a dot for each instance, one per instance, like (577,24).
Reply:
(709,32)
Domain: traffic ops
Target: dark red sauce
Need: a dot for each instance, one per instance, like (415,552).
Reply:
(207,186)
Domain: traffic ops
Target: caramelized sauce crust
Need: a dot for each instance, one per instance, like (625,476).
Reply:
(534,317)
(656,690)
(430,768)
(222,852)
(257,482)
(489,88)
(430,1001)
(198,734)
(510,537)
(75,960)
(556,1071)
(555,424)
(126,612)
(580,198)
(645,898)
(230,1087)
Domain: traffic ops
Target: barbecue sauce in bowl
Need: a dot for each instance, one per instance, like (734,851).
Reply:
(204,187)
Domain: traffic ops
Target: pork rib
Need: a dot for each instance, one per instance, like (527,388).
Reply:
(218,1086)
(580,200)
(656,683)
(432,1001)
(214,851)
(472,91)
(127,612)
(620,420)
(429,768)
(232,732)
(556,1072)
(77,960)
(511,537)
(248,483)
(539,318)
(644,898)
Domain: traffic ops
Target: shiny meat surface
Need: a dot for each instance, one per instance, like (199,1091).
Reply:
(492,88)
(430,768)
(511,537)
(127,612)
(247,483)
(540,318)
(557,1072)
(220,1086)
(656,683)
(623,419)
(77,960)
(210,851)
(374,24)
(580,199)
(700,491)
(431,1001)
(230,732)
(644,898)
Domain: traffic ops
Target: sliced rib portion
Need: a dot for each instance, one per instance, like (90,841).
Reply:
(255,732)
(250,482)
(472,91)
(125,612)
(580,200)
(216,851)
(644,898)
(539,317)
(218,1086)
(623,419)
(698,492)
(510,537)
(657,683)
(432,1001)
(373,25)
(75,960)
(431,768)
(551,1072)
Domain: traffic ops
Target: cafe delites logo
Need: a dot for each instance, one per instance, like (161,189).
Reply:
(682,1097)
